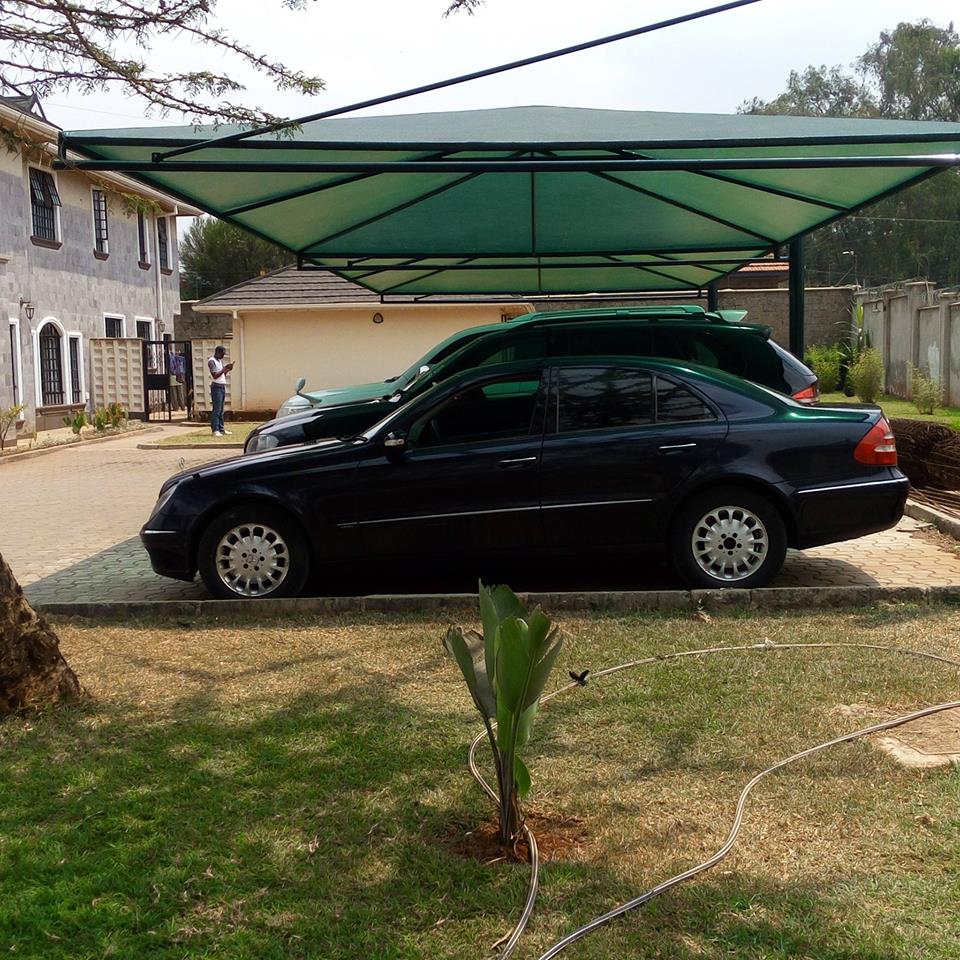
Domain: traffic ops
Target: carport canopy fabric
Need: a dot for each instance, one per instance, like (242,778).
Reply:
(535,199)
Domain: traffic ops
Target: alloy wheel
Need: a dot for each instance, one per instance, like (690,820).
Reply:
(730,543)
(252,560)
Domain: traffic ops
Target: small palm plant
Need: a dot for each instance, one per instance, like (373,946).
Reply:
(506,670)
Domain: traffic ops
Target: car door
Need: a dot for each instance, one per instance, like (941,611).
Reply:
(467,479)
(618,441)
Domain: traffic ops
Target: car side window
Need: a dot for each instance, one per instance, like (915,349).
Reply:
(676,404)
(601,398)
(600,339)
(529,346)
(498,410)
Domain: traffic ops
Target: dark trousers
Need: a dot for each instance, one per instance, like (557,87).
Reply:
(218,394)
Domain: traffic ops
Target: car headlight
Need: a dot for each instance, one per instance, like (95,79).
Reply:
(165,494)
(262,441)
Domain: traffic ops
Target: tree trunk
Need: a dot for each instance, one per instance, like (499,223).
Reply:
(32,669)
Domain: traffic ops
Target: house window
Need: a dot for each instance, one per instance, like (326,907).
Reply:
(113,326)
(44,201)
(15,362)
(100,222)
(142,237)
(75,394)
(51,366)
(145,329)
(163,247)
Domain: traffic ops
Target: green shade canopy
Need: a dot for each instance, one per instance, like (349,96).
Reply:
(533,199)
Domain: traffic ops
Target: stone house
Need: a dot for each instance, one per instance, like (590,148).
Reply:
(82,256)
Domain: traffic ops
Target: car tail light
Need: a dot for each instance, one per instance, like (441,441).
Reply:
(809,394)
(878,448)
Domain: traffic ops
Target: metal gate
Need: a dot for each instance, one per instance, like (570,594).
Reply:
(167,379)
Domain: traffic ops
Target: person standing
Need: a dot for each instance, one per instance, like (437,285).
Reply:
(218,390)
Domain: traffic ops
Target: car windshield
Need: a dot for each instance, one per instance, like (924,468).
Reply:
(434,356)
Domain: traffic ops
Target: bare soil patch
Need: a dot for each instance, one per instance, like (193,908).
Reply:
(558,836)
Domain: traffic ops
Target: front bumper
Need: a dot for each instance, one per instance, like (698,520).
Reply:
(170,552)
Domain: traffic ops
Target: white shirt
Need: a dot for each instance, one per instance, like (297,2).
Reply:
(215,367)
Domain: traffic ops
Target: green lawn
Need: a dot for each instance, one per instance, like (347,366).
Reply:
(238,433)
(296,789)
(897,407)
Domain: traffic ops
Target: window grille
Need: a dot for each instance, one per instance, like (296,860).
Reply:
(99,221)
(44,201)
(51,366)
(113,326)
(75,369)
(14,354)
(142,237)
(163,248)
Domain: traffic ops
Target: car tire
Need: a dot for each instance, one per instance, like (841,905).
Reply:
(253,551)
(728,536)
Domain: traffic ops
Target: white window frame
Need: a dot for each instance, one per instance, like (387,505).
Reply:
(149,320)
(93,207)
(147,233)
(78,336)
(56,207)
(64,360)
(166,230)
(123,325)
(18,363)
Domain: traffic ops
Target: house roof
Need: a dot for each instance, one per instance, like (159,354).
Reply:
(534,199)
(287,287)
(24,116)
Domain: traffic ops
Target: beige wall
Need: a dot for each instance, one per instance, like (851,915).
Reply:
(339,347)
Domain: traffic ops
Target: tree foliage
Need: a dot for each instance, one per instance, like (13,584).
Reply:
(215,254)
(910,73)
(84,46)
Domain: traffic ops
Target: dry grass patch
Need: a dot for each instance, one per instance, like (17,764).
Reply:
(288,789)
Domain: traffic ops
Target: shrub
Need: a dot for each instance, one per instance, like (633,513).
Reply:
(866,375)
(8,417)
(506,670)
(824,361)
(117,414)
(927,392)
(77,422)
(100,419)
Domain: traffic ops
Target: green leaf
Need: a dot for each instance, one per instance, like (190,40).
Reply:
(522,776)
(496,605)
(514,663)
(477,683)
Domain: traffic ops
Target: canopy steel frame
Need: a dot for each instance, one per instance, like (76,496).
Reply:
(453,81)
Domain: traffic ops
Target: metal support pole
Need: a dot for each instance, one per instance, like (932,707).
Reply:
(713,297)
(797,292)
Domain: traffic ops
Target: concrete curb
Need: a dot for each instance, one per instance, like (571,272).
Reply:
(769,598)
(189,446)
(58,447)
(942,521)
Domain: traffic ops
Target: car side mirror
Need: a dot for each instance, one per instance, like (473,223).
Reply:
(301,383)
(395,442)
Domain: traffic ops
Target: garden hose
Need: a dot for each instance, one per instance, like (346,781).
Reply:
(510,941)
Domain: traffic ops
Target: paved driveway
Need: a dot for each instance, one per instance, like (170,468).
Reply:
(72,516)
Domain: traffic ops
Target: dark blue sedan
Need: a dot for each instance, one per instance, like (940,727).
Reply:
(544,457)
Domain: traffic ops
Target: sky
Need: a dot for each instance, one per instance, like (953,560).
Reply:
(365,48)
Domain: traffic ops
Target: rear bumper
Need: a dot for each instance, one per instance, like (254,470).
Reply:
(828,513)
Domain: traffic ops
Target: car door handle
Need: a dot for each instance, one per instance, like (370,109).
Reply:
(672,447)
(515,462)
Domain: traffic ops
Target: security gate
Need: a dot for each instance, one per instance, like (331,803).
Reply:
(167,379)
